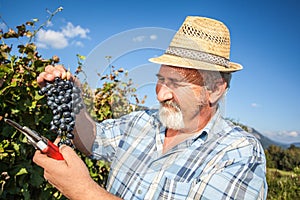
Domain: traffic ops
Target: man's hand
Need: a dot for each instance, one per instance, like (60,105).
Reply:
(51,72)
(70,176)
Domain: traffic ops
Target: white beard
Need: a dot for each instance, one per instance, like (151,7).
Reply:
(171,116)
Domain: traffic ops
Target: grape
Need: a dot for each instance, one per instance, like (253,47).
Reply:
(55,112)
(63,98)
(56,122)
(68,142)
(70,135)
(53,128)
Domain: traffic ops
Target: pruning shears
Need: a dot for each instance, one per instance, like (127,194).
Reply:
(38,141)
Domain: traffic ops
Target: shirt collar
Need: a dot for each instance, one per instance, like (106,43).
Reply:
(210,129)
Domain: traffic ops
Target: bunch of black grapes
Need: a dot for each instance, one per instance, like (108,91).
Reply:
(63,98)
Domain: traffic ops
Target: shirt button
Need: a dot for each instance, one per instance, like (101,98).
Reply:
(140,191)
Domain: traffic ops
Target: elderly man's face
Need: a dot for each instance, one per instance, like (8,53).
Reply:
(181,95)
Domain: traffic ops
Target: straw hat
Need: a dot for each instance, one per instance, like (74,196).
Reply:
(200,43)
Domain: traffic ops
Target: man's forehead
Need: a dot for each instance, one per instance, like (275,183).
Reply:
(179,72)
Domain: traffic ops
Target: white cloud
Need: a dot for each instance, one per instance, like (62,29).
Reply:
(41,45)
(72,31)
(255,105)
(61,39)
(50,38)
(139,38)
(142,38)
(153,37)
(293,134)
(283,136)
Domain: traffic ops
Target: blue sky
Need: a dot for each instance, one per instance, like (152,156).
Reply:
(264,36)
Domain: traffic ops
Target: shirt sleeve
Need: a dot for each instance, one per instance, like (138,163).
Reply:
(108,136)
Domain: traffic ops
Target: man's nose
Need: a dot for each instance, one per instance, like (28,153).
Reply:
(164,93)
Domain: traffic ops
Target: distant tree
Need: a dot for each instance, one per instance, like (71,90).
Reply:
(283,159)
(294,155)
(274,155)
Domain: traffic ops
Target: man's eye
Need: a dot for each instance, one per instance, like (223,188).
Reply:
(177,84)
(160,79)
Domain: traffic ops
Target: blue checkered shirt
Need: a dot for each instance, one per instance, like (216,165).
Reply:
(220,162)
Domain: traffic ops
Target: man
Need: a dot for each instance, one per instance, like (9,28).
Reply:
(185,150)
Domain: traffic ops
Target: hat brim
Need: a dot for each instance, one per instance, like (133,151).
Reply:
(172,60)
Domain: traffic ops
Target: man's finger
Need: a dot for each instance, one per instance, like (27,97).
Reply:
(43,160)
(38,158)
(43,77)
(68,153)
(60,68)
(56,71)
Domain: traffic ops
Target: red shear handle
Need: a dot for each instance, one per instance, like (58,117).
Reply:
(52,151)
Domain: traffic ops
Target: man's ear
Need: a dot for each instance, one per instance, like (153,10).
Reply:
(216,93)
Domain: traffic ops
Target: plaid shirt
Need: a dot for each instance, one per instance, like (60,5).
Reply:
(220,162)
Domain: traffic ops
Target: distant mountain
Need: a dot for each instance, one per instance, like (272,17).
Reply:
(266,142)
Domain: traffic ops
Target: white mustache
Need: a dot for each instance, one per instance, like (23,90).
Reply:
(171,104)
(171,115)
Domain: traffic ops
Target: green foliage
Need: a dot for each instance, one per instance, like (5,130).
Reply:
(112,100)
(283,185)
(283,174)
(19,101)
(283,159)
(20,178)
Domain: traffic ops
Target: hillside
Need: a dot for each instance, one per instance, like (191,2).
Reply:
(266,142)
